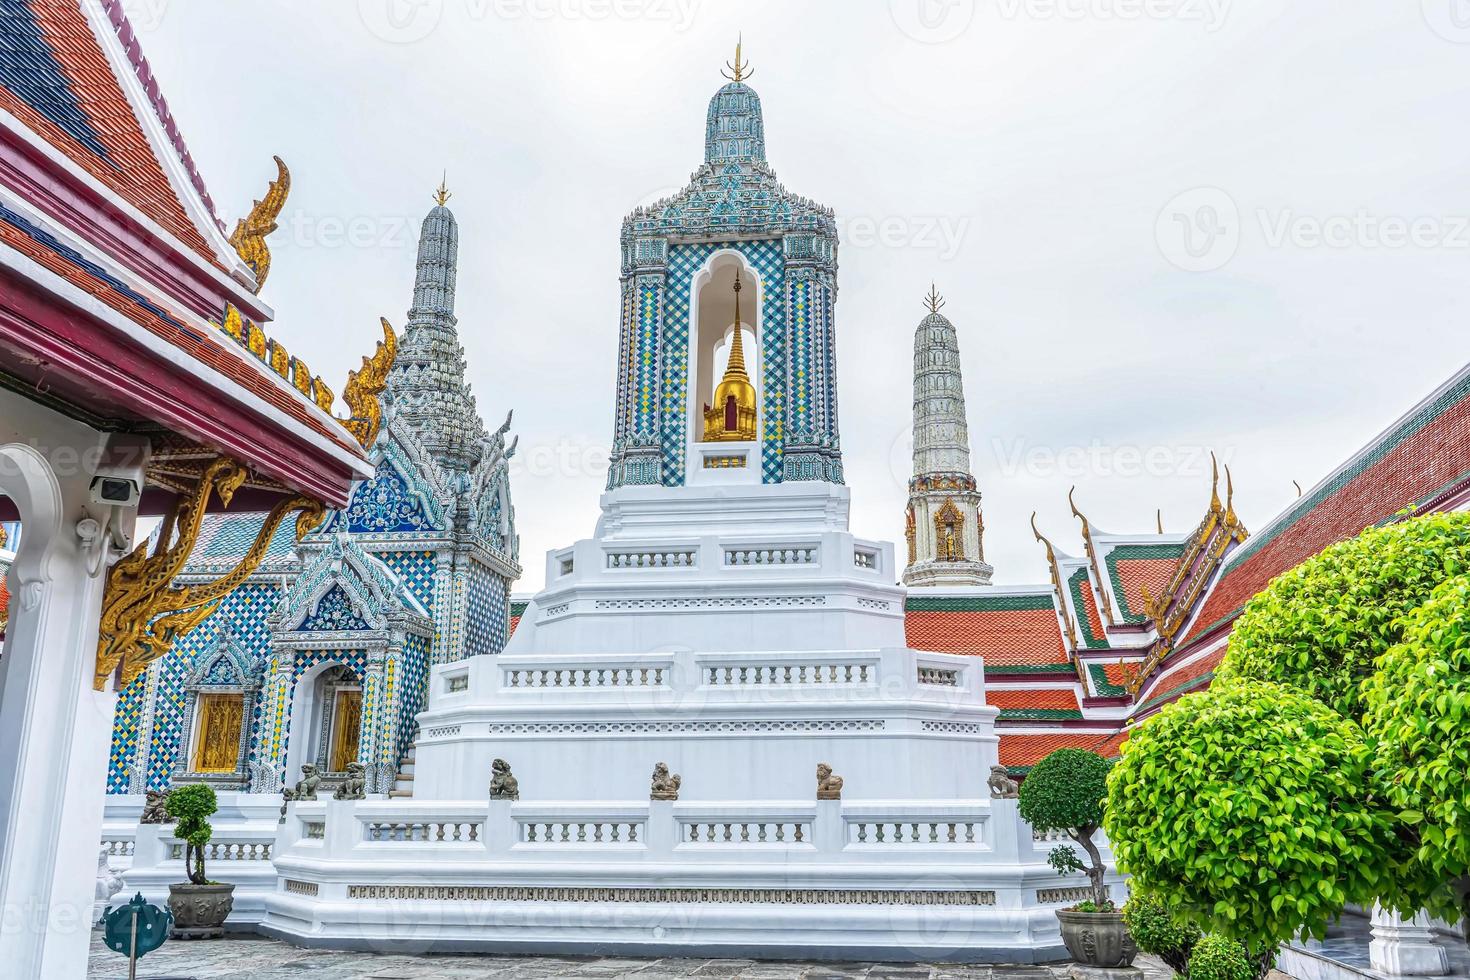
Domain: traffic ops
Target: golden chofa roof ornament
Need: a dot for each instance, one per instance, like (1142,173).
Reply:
(365,385)
(249,235)
(441,194)
(740,69)
(933,302)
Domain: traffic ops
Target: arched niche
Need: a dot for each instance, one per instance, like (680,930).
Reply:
(712,329)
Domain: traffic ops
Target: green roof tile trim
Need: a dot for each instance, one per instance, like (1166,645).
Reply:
(1040,714)
(518,608)
(1136,552)
(998,603)
(1390,441)
(1030,669)
(1100,683)
(1203,680)
(1076,584)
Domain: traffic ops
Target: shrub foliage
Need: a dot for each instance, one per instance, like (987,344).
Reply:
(1321,625)
(1065,791)
(1241,807)
(1418,714)
(1156,931)
(192,806)
(1218,958)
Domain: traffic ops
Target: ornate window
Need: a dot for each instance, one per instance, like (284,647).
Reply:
(219,696)
(949,533)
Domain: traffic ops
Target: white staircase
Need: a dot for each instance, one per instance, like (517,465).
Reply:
(403,781)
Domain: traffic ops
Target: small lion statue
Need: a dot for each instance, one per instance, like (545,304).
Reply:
(155,807)
(305,788)
(354,787)
(829,784)
(1002,786)
(665,786)
(503,785)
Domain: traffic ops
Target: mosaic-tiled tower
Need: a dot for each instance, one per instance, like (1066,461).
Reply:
(323,656)
(733,218)
(944,528)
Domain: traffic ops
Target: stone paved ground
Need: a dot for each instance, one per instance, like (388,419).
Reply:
(253,958)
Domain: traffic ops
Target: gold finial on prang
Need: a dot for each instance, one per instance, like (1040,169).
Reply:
(442,195)
(740,70)
(933,302)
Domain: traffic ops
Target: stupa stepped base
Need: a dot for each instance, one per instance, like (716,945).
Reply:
(828,879)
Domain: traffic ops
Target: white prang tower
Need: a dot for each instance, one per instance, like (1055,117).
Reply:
(945,532)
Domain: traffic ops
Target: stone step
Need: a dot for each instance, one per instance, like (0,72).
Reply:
(405,776)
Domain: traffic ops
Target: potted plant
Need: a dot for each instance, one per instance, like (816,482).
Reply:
(1065,792)
(199,905)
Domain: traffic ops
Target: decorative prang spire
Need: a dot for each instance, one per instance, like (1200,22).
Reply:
(428,380)
(945,529)
(740,69)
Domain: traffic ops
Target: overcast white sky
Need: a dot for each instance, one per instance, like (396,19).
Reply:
(1162,226)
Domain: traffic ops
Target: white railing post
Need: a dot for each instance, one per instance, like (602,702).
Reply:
(151,847)
(829,830)
(1405,947)
(501,832)
(663,829)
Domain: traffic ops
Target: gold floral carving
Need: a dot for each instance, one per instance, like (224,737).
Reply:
(365,385)
(249,235)
(142,611)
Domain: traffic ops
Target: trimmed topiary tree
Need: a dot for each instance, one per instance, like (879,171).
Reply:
(1321,625)
(1156,931)
(1418,715)
(1242,807)
(1065,791)
(1218,958)
(192,806)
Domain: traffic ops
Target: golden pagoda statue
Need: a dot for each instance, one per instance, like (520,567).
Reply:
(732,419)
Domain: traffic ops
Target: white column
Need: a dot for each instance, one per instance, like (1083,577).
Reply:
(54,729)
(1405,947)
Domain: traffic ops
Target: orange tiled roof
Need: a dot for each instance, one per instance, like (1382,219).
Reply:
(1024,751)
(1134,567)
(1009,631)
(1181,680)
(60,84)
(1050,699)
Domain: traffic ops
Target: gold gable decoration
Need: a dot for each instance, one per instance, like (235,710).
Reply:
(143,612)
(249,236)
(1061,599)
(1102,593)
(1204,552)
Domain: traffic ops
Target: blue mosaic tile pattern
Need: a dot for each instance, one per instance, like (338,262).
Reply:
(245,611)
(416,569)
(385,504)
(487,625)
(413,684)
(334,612)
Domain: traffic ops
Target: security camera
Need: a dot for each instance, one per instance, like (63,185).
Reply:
(116,491)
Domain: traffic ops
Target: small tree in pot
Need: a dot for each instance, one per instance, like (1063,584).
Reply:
(1065,792)
(199,905)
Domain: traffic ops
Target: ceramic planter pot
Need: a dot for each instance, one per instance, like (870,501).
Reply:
(1097,938)
(200,910)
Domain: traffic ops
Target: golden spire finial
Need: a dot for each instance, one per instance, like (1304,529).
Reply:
(740,69)
(442,195)
(933,302)
(735,368)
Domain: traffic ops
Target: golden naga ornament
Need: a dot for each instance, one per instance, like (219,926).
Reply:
(365,385)
(248,238)
(142,612)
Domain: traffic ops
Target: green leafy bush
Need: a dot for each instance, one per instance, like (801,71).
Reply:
(1321,625)
(1065,791)
(1155,930)
(1242,808)
(1218,958)
(1418,714)
(192,806)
